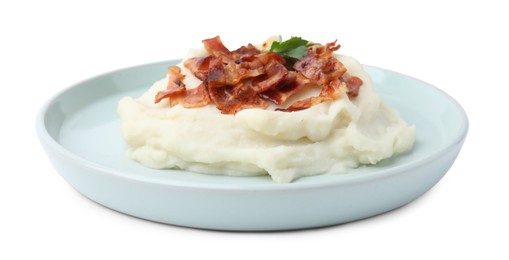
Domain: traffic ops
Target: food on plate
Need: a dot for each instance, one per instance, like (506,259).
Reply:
(288,109)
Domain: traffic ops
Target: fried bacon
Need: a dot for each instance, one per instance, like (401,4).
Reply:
(175,88)
(246,78)
(353,85)
(290,85)
(215,46)
(331,92)
(178,94)
(320,65)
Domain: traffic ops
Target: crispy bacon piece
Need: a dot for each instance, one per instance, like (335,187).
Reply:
(353,85)
(227,92)
(196,97)
(291,84)
(215,46)
(320,65)
(199,66)
(246,78)
(232,99)
(245,53)
(178,94)
(175,87)
(326,51)
(275,72)
(331,92)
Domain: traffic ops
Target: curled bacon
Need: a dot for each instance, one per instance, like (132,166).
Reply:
(175,88)
(178,94)
(291,84)
(320,65)
(246,78)
(330,92)
(215,46)
(275,72)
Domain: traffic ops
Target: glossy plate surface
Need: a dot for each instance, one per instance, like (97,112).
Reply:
(80,131)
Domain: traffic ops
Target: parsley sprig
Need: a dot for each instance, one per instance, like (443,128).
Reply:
(292,49)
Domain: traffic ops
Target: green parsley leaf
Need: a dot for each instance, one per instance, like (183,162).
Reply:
(295,48)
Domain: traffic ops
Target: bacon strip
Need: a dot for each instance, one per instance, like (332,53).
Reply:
(353,84)
(320,65)
(293,83)
(196,97)
(175,87)
(331,92)
(199,66)
(275,72)
(215,46)
(246,78)
(232,99)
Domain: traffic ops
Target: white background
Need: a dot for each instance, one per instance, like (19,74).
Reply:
(461,47)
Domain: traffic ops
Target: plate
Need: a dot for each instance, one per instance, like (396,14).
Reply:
(80,132)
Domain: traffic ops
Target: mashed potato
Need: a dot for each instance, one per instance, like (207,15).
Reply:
(331,137)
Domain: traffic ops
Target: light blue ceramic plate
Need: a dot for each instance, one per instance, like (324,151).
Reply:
(79,129)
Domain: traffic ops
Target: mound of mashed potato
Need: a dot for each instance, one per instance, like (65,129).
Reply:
(329,138)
